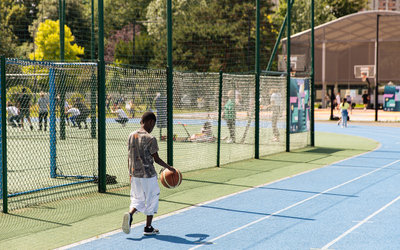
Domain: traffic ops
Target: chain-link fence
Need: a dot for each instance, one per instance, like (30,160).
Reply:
(214,57)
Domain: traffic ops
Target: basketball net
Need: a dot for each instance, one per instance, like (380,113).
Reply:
(363,76)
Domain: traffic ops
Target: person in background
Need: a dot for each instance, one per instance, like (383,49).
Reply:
(344,106)
(130,107)
(365,98)
(122,117)
(43,103)
(13,117)
(229,115)
(24,105)
(74,112)
(84,113)
(337,101)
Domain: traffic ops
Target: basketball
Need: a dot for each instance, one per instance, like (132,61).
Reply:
(170,179)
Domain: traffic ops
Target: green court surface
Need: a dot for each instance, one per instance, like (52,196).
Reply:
(55,224)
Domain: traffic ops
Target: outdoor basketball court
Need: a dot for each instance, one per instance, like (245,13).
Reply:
(351,204)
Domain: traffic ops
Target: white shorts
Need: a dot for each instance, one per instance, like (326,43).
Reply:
(144,195)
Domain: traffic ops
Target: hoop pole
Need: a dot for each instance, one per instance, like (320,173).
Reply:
(3,173)
(376,68)
(312,122)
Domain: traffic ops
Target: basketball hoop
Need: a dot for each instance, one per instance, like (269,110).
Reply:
(364,76)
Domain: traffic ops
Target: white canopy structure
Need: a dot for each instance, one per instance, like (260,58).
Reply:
(342,44)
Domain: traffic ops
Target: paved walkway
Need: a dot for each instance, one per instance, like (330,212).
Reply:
(360,115)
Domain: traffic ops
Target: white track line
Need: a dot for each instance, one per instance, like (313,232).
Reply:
(298,203)
(359,224)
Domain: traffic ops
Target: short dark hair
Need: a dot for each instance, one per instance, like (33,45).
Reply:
(148,116)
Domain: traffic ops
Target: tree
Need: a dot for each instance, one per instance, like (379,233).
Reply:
(301,17)
(47,41)
(341,8)
(77,18)
(210,36)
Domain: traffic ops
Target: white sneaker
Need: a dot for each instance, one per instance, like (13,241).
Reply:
(229,141)
(126,223)
(342,127)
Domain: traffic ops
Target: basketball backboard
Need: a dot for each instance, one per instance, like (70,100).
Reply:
(297,63)
(364,71)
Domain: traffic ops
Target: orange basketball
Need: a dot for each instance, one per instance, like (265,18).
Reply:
(170,179)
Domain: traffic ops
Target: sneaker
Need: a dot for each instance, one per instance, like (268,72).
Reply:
(150,231)
(338,123)
(342,126)
(126,223)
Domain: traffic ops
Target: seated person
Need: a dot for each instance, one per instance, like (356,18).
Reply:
(13,115)
(205,135)
(122,117)
(74,114)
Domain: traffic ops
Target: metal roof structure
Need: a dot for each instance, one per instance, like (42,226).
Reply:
(352,40)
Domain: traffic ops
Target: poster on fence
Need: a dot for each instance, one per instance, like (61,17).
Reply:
(391,98)
(299,105)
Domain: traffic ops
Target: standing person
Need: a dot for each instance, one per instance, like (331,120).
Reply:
(348,98)
(337,101)
(122,117)
(344,106)
(24,105)
(365,98)
(74,114)
(43,103)
(108,101)
(130,107)
(142,152)
(13,117)
(229,115)
(276,110)
(84,113)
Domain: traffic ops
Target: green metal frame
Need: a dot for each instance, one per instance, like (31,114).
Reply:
(102,103)
(257,84)
(4,134)
(170,145)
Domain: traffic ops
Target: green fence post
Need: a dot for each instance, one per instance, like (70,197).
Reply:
(219,119)
(102,103)
(93,105)
(312,125)
(61,15)
(92,33)
(257,84)
(288,78)
(4,136)
(170,152)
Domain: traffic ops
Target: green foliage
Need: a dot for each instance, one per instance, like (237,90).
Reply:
(14,92)
(211,36)
(341,8)
(77,18)
(301,16)
(143,51)
(48,43)
(72,99)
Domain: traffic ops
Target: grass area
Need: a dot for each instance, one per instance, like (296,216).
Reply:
(55,224)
